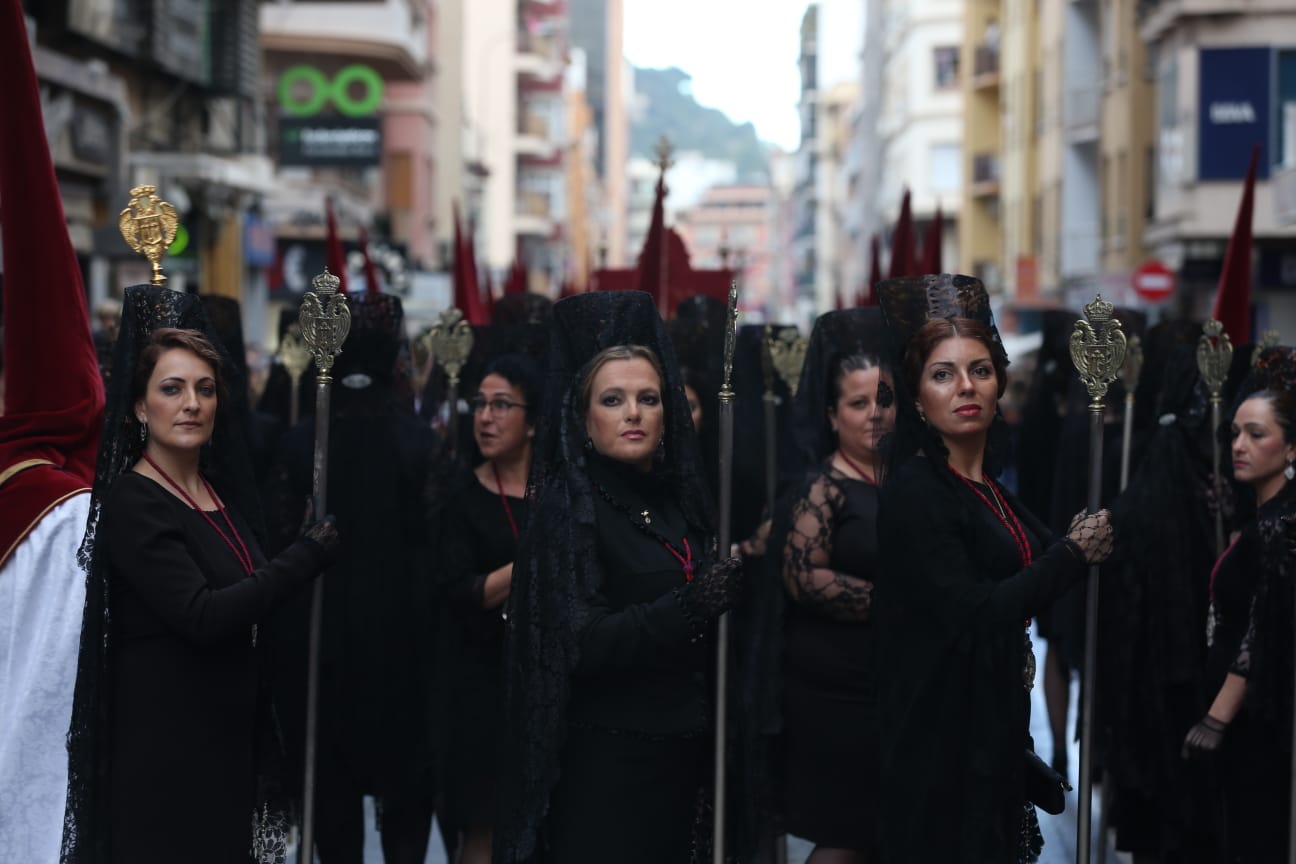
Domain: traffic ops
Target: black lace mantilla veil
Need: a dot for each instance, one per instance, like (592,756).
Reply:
(225,461)
(907,304)
(557,567)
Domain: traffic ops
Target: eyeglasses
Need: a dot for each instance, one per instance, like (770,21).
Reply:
(496,406)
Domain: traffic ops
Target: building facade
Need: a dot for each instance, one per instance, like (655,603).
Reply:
(1224,76)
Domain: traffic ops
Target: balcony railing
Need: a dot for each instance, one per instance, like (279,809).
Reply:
(531,123)
(985,168)
(1082,109)
(539,44)
(535,204)
(985,63)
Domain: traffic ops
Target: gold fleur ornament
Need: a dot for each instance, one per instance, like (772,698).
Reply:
(148,225)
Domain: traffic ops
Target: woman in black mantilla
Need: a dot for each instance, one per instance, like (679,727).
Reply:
(963,567)
(1249,629)
(171,747)
(827,534)
(614,592)
(479,543)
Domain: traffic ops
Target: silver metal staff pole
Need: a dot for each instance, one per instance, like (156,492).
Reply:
(1132,370)
(325,321)
(295,355)
(722,627)
(1097,350)
(1214,356)
(450,341)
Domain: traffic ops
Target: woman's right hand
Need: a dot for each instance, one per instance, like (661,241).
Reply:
(1093,534)
(324,533)
(717,590)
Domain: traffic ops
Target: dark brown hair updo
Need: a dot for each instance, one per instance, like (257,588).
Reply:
(606,356)
(164,339)
(937,331)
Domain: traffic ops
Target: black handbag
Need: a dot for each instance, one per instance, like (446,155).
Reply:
(1045,788)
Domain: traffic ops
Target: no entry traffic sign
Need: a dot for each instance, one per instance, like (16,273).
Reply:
(1154,281)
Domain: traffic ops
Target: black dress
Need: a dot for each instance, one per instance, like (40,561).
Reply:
(829,666)
(635,757)
(950,604)
(186,726)
(1254,759)
(478,539)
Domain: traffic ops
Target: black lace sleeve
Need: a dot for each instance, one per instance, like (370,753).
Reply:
(806,572)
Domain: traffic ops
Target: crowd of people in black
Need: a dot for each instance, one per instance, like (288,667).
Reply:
(520,598)
(520,588)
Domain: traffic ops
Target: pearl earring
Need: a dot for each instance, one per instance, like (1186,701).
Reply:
(1290,471)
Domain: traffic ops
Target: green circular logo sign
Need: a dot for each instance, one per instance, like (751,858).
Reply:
(181,241)
(304,91)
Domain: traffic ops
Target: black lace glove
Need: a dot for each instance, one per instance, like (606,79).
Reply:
(709,595)
(324,534)
(1205,737)
(1092,535)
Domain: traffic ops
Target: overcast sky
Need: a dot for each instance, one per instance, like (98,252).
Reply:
(742,55)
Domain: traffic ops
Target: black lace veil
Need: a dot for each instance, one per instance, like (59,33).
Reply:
(557,568)
(836,335)
(225,461)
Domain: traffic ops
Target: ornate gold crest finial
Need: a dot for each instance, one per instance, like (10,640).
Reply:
(451,341)
(1100,312)
(1098,350)
(326,284)
(148,225)
(1214,356)
(787,351)
(325,322)
(1132,370)
(1268,339)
